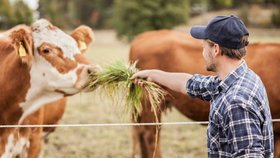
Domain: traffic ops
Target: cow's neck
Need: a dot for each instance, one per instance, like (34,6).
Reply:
(14,82)
(38,94)
(36,98)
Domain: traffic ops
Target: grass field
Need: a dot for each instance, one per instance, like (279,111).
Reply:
(177,141)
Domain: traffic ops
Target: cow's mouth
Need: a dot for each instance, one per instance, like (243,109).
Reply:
(66,94)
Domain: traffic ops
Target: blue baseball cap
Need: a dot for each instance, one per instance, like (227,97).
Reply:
(226,31)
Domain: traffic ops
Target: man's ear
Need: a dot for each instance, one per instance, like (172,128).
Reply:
(83,36)
(21,37)
(217,50)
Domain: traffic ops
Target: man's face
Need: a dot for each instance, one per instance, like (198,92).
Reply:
(207,53)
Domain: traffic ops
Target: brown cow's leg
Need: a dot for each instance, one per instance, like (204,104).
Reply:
(147,136)
(135,142)
(277,145)
(35,134)
(276,128)
(36,145)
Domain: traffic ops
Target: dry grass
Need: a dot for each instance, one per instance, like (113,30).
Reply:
(114,79)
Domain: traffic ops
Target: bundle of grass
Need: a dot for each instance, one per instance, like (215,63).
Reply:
(116,77)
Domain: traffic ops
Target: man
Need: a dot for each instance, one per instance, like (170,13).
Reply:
(240,122)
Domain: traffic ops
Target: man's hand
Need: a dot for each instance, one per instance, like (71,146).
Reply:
(144,74)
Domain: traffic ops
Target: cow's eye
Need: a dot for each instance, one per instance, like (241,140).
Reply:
(46,50)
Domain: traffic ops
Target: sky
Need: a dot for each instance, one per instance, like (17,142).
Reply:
(33,4)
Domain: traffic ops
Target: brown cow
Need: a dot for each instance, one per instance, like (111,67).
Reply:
(177,52)
(38,65)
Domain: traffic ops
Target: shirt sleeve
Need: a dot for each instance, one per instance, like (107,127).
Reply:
(243,131)
(203,87)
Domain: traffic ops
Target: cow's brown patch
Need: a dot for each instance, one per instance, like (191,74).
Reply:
(54,56)
(80,58)
(79,71)
(14,81)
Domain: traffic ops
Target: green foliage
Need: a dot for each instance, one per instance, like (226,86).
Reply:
(219,4)
(71,13)
(13,14)
(275,18)
(243,13)
(134,16)
(95,13)
(22,13)
(5,13)
(60,13)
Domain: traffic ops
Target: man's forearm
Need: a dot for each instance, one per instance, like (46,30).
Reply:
(173,81)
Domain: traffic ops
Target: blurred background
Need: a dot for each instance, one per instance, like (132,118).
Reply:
(115,23)
(129,18)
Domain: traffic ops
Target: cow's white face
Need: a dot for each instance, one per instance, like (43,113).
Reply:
(58,66)
(54,65)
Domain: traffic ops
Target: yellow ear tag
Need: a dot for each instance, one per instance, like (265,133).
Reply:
(21,50)
(82,45)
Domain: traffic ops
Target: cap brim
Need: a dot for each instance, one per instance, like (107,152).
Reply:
(198,32)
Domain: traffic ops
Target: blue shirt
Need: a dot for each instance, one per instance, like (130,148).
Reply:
(240,123)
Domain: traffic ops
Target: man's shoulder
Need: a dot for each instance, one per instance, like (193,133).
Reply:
(247,83)
(245,94)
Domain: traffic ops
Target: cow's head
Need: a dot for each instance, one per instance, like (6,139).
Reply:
(59,63)
(58,66)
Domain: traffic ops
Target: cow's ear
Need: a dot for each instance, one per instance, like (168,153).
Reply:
(21,37)
(83,36)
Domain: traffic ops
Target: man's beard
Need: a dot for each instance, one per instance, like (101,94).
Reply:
(211,67)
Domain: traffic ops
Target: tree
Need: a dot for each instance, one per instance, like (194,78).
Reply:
(275,18)
(61,13)
(22,13)
(219,4)
(6,14)
(95,13)
(134,16)
(70,13)
(15,13)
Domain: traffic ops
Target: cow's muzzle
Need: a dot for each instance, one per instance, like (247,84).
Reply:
(84,76)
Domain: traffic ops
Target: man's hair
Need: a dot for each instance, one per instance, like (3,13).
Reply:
(232,53)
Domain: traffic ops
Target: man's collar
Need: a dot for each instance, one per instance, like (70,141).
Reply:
(233,76)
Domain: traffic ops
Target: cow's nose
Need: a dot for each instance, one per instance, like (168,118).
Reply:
(93,69)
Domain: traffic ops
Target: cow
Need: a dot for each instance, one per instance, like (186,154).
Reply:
(39,64)
(175,51)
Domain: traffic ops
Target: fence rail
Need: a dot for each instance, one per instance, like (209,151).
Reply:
(114,124)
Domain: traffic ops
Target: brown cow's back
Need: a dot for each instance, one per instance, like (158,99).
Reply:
(264,59)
